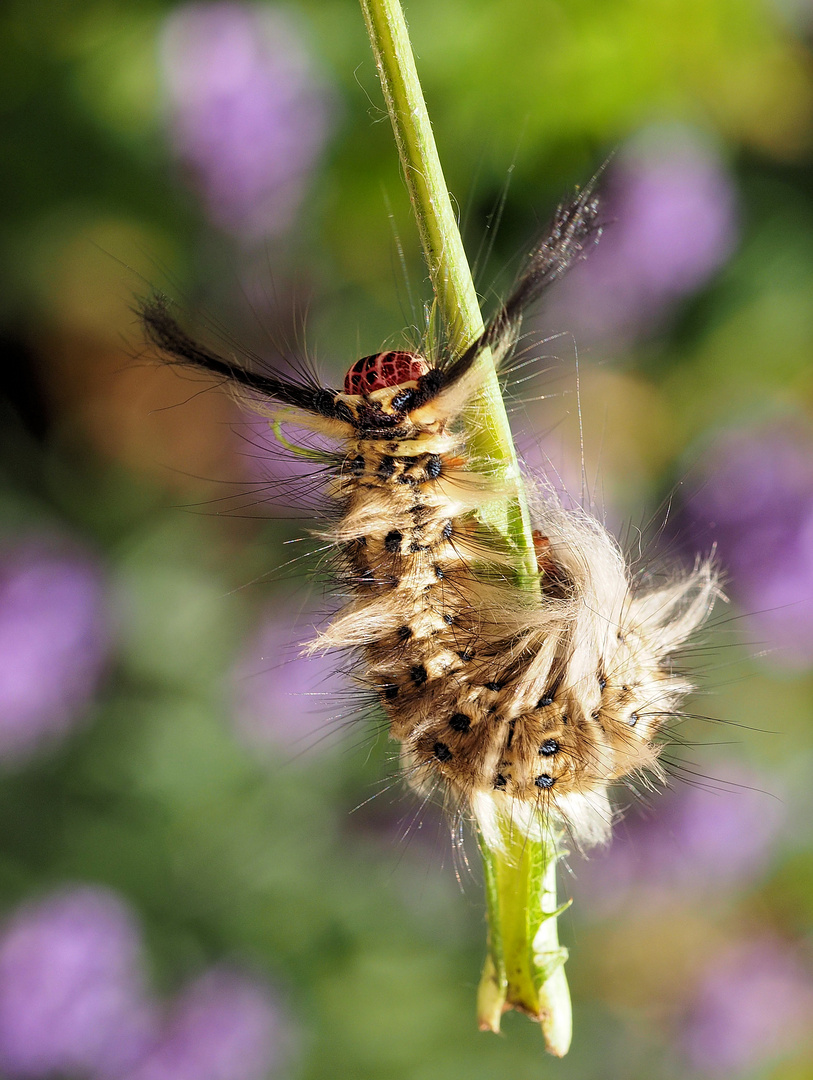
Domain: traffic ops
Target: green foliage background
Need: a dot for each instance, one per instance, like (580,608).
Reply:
(374,944)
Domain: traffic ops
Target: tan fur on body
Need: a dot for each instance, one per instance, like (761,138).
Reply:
(536,698)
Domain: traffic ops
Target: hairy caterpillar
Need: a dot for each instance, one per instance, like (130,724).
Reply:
(510,701)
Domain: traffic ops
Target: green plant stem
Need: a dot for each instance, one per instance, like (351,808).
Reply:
(524,968)
(489,431)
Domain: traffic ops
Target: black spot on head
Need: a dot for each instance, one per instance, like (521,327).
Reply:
(633,720)
(390,691)
(500,782)
(386,467)
(544,701)
(544,781)
(434,466)
(493,686)
(438,572)
(442,751)
(447,530)
(549,747)
(418,674)
(404,633)
(460,722)
(392,541)
(357,465)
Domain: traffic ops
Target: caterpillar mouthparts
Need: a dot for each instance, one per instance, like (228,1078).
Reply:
(535,700)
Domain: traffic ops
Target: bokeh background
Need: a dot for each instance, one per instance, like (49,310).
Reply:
(206,869)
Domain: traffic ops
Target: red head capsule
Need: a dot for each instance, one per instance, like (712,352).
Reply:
(384,369)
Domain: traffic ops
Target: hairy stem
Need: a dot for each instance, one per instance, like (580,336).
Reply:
(524,967)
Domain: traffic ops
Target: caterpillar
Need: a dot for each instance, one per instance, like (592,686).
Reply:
(501,697)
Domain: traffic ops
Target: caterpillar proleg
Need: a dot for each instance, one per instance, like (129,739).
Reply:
(518,703)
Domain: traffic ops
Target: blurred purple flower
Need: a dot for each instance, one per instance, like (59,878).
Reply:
(702,838)
(753,1004)
(248,114)
(225,1026)
(671,222)
(282,697)
(71,990)
(53,642)
(757,503)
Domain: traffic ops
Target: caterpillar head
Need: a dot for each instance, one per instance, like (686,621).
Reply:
(382,370)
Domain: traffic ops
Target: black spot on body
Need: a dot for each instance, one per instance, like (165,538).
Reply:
(466,654)
(434,466)
(442,751)
(392,541)
(326,403)
(448,619)
(511,725)
(544,781)
(549,747)
(633,720)
(402,401)
(429,386)
(357,465)
(544,701)
(500,782)
(460,722)
(447,530)
(390,691)
(493,686)
(602,683)
(386,467)
(392,447)
(404,633)
(415,547)
(418,674)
